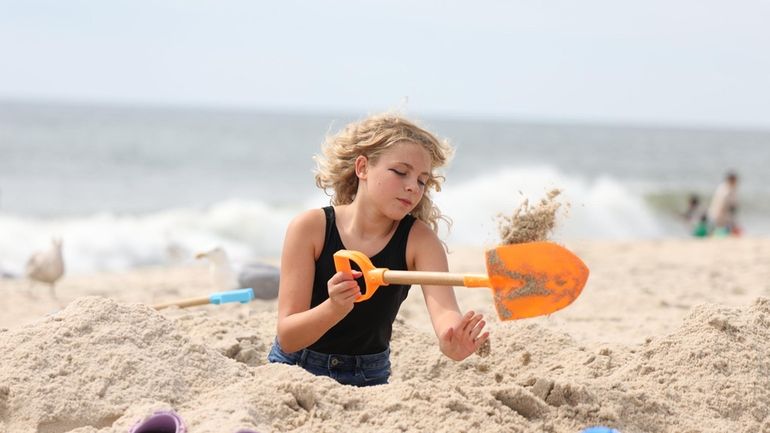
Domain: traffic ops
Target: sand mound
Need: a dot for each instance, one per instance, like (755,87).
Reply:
(99,366)
(86,365)
(718,361)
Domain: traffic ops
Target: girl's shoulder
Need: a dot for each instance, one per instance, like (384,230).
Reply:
(308,228)
(423,241)
(421,232)
(309,221)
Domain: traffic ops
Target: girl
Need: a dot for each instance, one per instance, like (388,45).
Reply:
(379,170)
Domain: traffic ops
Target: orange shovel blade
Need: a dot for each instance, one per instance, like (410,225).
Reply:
(533,279)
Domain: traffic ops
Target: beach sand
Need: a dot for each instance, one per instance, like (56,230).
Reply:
(668,336)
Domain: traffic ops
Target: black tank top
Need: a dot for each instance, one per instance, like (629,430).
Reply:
(367,328)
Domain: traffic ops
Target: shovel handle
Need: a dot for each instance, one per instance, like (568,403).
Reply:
(190,302)
(376,277)
(241,295)
(435,278)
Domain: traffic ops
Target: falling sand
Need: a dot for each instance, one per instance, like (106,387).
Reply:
(530,223)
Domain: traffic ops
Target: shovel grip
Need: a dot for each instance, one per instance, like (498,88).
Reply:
(372,276)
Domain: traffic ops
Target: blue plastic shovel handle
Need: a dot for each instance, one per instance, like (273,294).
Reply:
(243,296)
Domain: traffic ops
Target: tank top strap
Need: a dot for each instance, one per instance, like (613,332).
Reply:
(330,223)
(402,231)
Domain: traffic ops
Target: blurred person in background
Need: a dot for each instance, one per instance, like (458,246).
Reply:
(724,206)
(692,214)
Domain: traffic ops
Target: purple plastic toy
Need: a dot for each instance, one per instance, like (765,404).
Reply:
(160,422)
(166,422)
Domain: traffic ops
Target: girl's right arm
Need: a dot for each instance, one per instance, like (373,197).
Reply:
(299,326)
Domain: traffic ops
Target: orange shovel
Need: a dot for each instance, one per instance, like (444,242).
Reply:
(527,280)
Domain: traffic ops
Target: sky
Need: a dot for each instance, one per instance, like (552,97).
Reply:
(702,63)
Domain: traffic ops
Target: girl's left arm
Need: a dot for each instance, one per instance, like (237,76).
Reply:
(460,335)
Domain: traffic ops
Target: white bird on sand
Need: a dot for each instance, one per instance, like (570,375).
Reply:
(47,266)
(260,277)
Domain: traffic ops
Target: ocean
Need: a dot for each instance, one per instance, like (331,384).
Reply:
(126,187)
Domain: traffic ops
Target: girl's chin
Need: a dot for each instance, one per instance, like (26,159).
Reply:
(398,212)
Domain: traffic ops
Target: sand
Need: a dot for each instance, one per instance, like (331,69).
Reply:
(530,223)
(668,336)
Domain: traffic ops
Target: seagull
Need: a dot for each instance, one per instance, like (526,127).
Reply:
(47,266)
(260,277)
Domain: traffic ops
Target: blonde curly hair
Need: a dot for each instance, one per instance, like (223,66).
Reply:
(371,137)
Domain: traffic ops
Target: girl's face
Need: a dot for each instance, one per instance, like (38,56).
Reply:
(396,180)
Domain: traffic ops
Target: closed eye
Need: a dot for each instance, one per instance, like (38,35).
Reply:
(403,173)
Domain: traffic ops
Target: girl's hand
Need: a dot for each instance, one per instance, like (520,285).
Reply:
(461,340)
(343,290)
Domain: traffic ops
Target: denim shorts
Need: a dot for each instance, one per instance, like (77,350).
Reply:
(357,370)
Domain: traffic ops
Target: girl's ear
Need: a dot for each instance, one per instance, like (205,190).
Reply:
(362,166)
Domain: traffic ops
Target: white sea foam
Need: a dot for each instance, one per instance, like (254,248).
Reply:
(600,208)
(248,230)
